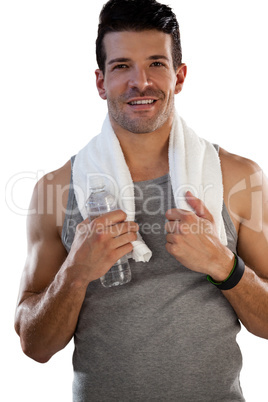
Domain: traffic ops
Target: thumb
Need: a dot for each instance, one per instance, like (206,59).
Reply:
(198,206)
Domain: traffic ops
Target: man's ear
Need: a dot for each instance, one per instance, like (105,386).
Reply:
(100,84)
(181,75)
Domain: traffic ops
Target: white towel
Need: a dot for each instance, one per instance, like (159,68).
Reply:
(194,165)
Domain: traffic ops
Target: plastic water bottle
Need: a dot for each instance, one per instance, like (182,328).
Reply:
(100,202)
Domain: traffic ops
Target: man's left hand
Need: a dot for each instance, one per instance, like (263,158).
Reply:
(193,240)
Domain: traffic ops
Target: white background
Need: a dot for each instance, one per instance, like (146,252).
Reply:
(50,109)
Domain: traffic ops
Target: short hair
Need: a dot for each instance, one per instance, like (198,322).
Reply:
(137,15)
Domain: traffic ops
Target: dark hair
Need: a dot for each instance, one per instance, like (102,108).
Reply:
(137,15)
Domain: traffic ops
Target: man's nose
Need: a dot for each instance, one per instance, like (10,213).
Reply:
(140,79)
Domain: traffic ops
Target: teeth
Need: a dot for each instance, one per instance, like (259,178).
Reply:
(142,102)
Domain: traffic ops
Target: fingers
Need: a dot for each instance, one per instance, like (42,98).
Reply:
(171,238)
(114,223)
(115,230)
(123,228)
(188,224)
(111,218)
(179,220)
(176,214)
(111,228)
(198,206)
(173,226)
(199,209)
(121,251)
(124,239)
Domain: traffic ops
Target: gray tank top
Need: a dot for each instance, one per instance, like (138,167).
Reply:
(168,335)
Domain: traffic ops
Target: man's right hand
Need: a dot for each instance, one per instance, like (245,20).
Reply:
(100,243)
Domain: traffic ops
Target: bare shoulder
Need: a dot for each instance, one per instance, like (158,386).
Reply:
(241,177)
(46,252)
(49,201)
(60,177)
(238,172)
(236,168)
(50,196)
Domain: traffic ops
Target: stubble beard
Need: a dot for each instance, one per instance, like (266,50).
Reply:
(140,125)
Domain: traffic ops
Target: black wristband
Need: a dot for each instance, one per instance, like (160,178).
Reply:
(234,277)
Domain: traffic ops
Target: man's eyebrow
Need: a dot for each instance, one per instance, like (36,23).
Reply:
(127,60)
(119,60)
(157,57)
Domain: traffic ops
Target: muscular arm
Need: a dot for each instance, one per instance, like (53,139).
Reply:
(247,202)
(204,253)
(48,308)
(46,297)
(53,285)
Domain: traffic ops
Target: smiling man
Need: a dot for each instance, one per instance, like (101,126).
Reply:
(140,87)
(170,333)
(139,84)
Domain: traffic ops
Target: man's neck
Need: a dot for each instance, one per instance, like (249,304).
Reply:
(146,154)
(146,162)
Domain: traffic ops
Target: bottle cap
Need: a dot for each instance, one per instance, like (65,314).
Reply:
(96,182)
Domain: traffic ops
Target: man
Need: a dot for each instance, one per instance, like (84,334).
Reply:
(169,334)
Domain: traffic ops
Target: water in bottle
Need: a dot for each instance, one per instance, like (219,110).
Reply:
(100,202)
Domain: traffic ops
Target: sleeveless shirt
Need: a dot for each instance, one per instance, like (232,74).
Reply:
(168,335)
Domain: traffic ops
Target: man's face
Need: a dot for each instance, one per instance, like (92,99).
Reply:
(140,81)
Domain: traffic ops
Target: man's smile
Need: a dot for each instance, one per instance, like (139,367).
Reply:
(142,102)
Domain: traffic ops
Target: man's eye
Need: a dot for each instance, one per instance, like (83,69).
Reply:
(120,66)
(157,64)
